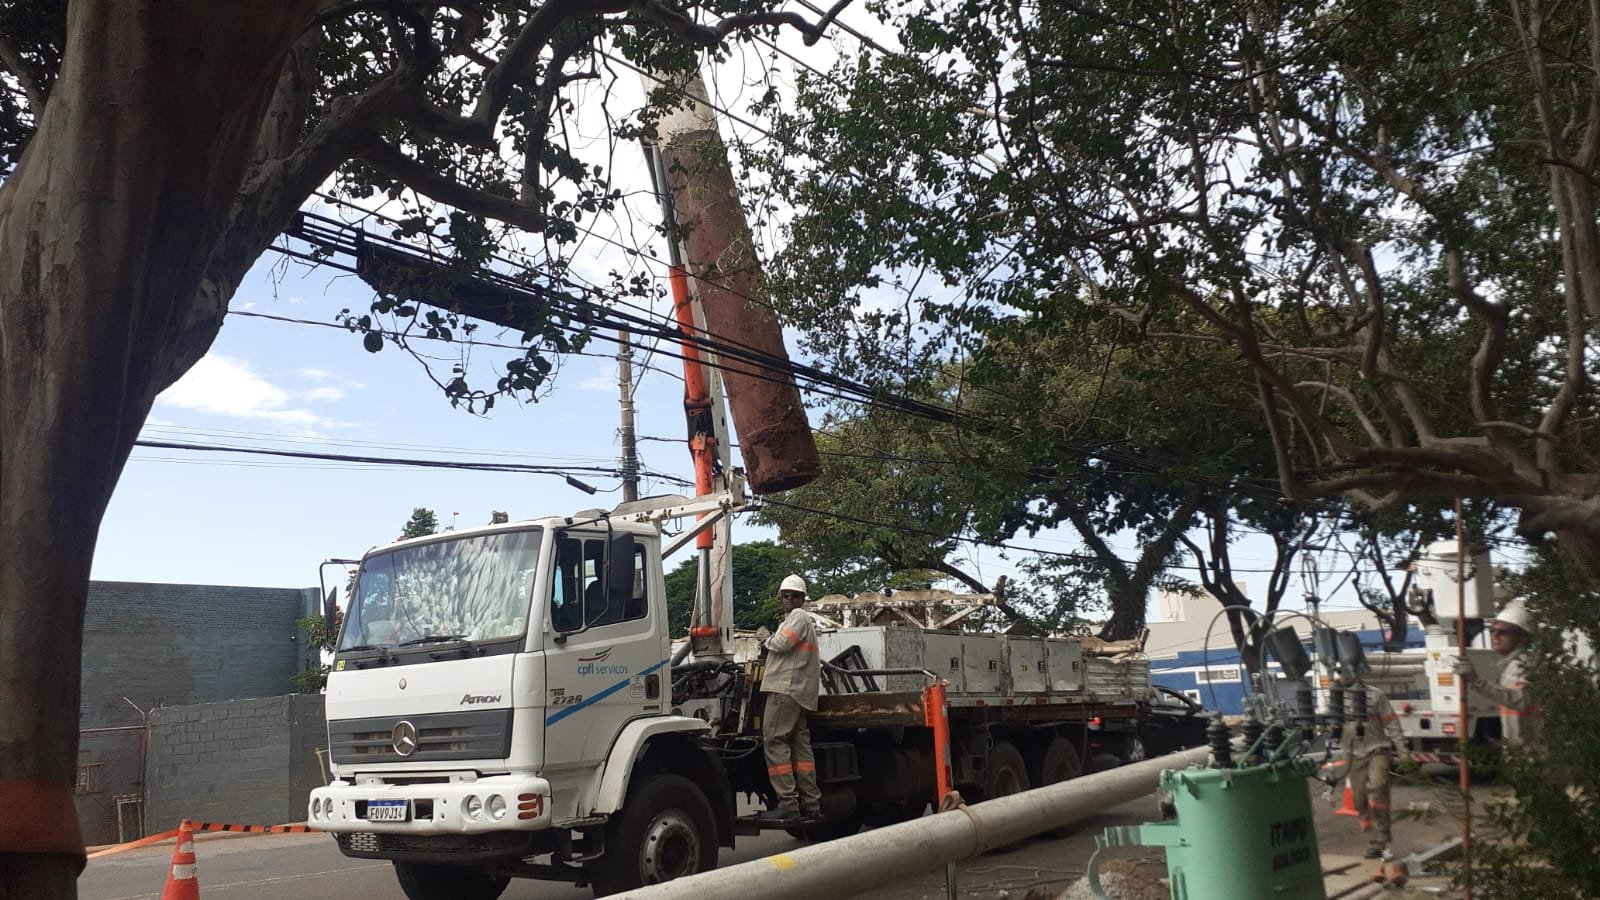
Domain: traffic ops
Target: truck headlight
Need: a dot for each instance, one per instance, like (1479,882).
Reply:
(497,807)
(472,806)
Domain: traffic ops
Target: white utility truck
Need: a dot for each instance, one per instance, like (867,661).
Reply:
(505,703)
(1430,712)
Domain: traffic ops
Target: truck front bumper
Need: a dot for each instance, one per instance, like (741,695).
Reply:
(497,803)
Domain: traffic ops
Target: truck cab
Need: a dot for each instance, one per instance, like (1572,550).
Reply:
(498,706)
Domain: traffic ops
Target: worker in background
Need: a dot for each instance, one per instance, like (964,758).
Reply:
(1369,745)
(793,675)
(1508,637)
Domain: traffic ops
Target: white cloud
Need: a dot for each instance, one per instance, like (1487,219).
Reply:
(225,386)
(600,381)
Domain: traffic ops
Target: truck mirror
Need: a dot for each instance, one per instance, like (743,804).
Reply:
(330,614)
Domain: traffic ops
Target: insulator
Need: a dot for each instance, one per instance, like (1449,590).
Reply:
(1358,709)
(1221,741)
(1336,704)
(1252,739)
(1305,706)
(1274,738)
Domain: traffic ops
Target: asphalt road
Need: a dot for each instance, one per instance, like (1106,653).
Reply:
(287,866)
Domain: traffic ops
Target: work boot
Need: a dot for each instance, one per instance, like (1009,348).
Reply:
(1373,852)
(811,816)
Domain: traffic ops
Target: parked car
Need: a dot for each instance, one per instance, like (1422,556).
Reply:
(1174,722)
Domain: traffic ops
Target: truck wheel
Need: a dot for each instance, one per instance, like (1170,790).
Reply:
(1007,775)
(665,831)
(422,881)
(1058,763)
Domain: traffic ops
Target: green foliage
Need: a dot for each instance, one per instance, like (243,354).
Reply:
(1547,837)
(758,567)
(1366,276)
(423,522)
(320,638)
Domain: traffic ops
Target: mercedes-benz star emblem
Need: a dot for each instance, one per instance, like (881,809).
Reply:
(404,739)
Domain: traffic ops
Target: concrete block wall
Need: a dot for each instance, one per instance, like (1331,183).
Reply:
(175,644)
(242,762)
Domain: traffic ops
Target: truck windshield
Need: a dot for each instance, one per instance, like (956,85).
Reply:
(476,589)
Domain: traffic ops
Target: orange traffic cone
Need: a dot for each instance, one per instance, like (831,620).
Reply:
(1348,807)
(182,880)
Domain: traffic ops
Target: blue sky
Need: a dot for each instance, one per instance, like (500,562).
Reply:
(179,516)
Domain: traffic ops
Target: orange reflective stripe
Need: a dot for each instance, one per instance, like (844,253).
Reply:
(1386,719)
(781,769)
(807,648)
(790,634)
(805,767)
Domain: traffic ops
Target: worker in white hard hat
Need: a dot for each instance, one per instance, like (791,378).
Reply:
(792,678)
(1508,636)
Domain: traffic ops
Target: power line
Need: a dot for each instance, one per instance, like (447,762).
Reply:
(562,471)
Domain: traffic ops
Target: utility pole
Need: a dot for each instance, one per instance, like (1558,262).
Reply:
(630,447)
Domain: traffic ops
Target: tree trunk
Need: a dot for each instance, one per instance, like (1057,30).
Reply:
(106,229)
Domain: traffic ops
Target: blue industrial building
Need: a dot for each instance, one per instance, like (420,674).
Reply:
(1215,678)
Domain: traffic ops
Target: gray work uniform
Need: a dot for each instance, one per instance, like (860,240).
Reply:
(791,680)
(1520,720)
(1369,746)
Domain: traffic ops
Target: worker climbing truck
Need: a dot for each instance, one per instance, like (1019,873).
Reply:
(503,703)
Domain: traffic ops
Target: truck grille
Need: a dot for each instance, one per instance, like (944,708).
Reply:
(468,734)
(437,847)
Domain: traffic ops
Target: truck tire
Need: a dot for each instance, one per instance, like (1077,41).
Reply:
(424,881)
(665,831)
(1058,763)
(1007,775)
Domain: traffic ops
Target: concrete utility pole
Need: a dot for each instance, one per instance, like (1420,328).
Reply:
(630,447)
(775,439)
(847,866)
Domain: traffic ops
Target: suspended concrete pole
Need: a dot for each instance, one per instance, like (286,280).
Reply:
(871,859)
(775,439)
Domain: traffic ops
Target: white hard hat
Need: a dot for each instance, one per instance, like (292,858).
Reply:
(1515,613)
(793,583)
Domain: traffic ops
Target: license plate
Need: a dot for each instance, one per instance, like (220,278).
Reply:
(388,810)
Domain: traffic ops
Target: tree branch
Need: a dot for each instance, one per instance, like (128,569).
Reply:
(711,35)
(1349,398)
(390,161)
(13,62)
